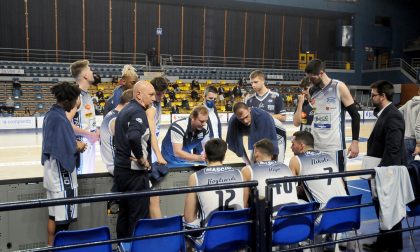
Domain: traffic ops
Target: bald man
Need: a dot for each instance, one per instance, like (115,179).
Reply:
(132,157)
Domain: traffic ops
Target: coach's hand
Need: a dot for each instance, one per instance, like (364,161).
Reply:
(353,150)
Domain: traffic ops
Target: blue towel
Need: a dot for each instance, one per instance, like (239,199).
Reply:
(262,126)
(58,139)
(158,171)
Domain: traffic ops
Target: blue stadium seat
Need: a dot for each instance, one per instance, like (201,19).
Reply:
(84,236)
(294,229)
(144,227)
(340,221)
(229,238)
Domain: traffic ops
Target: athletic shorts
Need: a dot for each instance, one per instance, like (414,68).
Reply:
(63,214)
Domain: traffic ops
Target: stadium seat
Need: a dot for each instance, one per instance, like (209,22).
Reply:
(84,236)
(230,238)
(144,227)
(340,221)
(294,229)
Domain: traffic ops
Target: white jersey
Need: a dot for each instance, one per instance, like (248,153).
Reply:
(320,190)
(283,193)
(229,199)
(329,118)
(85,119)
(107,144)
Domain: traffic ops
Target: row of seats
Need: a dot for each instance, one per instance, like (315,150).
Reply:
(293,223)
(228,73)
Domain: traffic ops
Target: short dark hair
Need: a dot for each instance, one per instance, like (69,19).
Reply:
(126,96)
(315,66)
(215,150)
(210,89)
(239,105)
(160,84)
(265,146)
(384,87)
(304,137)
(66,94)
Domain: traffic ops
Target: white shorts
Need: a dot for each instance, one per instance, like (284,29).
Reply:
(63,214)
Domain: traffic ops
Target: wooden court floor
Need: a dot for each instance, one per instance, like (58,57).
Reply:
(20,151)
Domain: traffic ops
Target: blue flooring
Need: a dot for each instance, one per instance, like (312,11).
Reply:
(361,186)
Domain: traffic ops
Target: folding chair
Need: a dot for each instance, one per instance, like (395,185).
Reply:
(83,236)
(294,229)
(340,221)
(144,227)
(230,238)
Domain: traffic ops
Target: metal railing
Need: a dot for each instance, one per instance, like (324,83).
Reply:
(38,55)
(238,62)
(19,205)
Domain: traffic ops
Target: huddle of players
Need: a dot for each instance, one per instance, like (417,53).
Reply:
(133,150)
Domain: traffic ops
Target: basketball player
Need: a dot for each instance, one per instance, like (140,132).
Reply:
(329,103)
(265,168)
(107,131)
(308,161)
(199,206)
(184,136)
(304,113)
(59,149)
(272,103)
(129,77)
(154,114)
(84,122)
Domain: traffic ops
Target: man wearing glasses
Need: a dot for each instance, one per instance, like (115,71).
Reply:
(329,101)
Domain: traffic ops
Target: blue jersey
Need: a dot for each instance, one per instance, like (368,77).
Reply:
(270,102)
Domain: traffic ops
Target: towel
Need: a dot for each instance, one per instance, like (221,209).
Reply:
(158,171)
(59,140)
(394,191)
(262,126)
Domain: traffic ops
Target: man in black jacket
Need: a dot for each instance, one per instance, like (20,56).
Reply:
(387,143)
(133,157)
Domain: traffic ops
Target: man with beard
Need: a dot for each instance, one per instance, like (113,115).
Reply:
(84,122)
(387,143)
(329,101)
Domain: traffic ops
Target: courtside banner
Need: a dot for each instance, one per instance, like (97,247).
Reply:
(176,117)
(17,123)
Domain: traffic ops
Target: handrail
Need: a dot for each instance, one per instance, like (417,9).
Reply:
(69,56)
(19,205)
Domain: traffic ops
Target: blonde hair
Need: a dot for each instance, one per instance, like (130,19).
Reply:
(129,71)
(77,67)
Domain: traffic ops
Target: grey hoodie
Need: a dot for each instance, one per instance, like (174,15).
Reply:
(411,113)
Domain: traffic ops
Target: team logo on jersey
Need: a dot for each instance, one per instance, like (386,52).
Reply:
(270,107)
(331,99)
(270,100)
(210,170)
(261,106)
(139,120)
